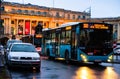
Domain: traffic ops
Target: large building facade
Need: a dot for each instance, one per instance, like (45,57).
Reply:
(21,19)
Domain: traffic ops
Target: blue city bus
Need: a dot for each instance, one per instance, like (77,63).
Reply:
(79,41)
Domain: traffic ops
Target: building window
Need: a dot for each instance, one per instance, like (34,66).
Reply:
(13,10)
(57,24)
(19,11)
(44,13)
(32,12)
(26,11)
(83,17)
(12,22)
(44,24)
(57,14)
(73,16)
(68,16)
(2,8)
(38,12)
(12,30)
(79,17)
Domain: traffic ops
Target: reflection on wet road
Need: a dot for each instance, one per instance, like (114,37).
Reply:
(58,70)
(88,73)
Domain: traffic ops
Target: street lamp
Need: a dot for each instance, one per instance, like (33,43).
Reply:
(88,10)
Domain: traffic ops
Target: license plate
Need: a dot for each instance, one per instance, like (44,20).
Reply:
(97,60)
(25,62)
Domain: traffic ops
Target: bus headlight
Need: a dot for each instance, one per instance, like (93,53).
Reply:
(83,57)
(110,58)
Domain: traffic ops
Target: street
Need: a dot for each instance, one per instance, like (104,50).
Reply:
(54,69)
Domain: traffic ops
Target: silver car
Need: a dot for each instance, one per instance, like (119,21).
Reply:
(117,50)
(23,55)
(1,50)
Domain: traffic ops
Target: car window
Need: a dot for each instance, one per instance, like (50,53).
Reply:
(117,48)
(13,41)
(23,48)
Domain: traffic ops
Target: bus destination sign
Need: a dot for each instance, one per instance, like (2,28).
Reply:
(95,26)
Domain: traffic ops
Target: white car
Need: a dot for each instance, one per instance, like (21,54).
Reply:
(23,55)
(9,42)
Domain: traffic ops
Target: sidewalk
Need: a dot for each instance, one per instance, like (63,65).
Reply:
(4,74)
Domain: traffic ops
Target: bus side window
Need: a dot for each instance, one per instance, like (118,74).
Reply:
(68,37)
(62,37)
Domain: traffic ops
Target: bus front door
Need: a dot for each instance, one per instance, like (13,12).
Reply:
(73,46)
(57,45)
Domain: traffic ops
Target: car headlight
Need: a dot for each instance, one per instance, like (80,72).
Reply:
(13,58)
(36,58)
(110,58)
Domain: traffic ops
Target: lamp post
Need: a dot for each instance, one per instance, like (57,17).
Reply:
(1,21)
(88,10)
(53,3)
(23,1)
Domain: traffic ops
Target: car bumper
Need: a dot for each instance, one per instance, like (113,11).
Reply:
(24,63)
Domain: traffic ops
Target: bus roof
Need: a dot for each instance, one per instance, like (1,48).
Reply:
(69,24)
(63,25)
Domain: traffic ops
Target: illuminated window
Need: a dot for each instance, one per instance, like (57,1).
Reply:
(12,30)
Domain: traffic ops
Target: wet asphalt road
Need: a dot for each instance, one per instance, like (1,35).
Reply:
(51,69)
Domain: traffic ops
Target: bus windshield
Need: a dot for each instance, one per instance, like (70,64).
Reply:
(95,38)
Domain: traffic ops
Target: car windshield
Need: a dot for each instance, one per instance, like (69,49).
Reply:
(117,48)
(23,48)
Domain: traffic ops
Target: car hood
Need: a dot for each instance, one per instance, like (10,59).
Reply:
(24,54)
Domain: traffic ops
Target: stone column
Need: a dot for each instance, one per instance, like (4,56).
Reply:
(23,27)
(17,26)
(6,25)
(9,26)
